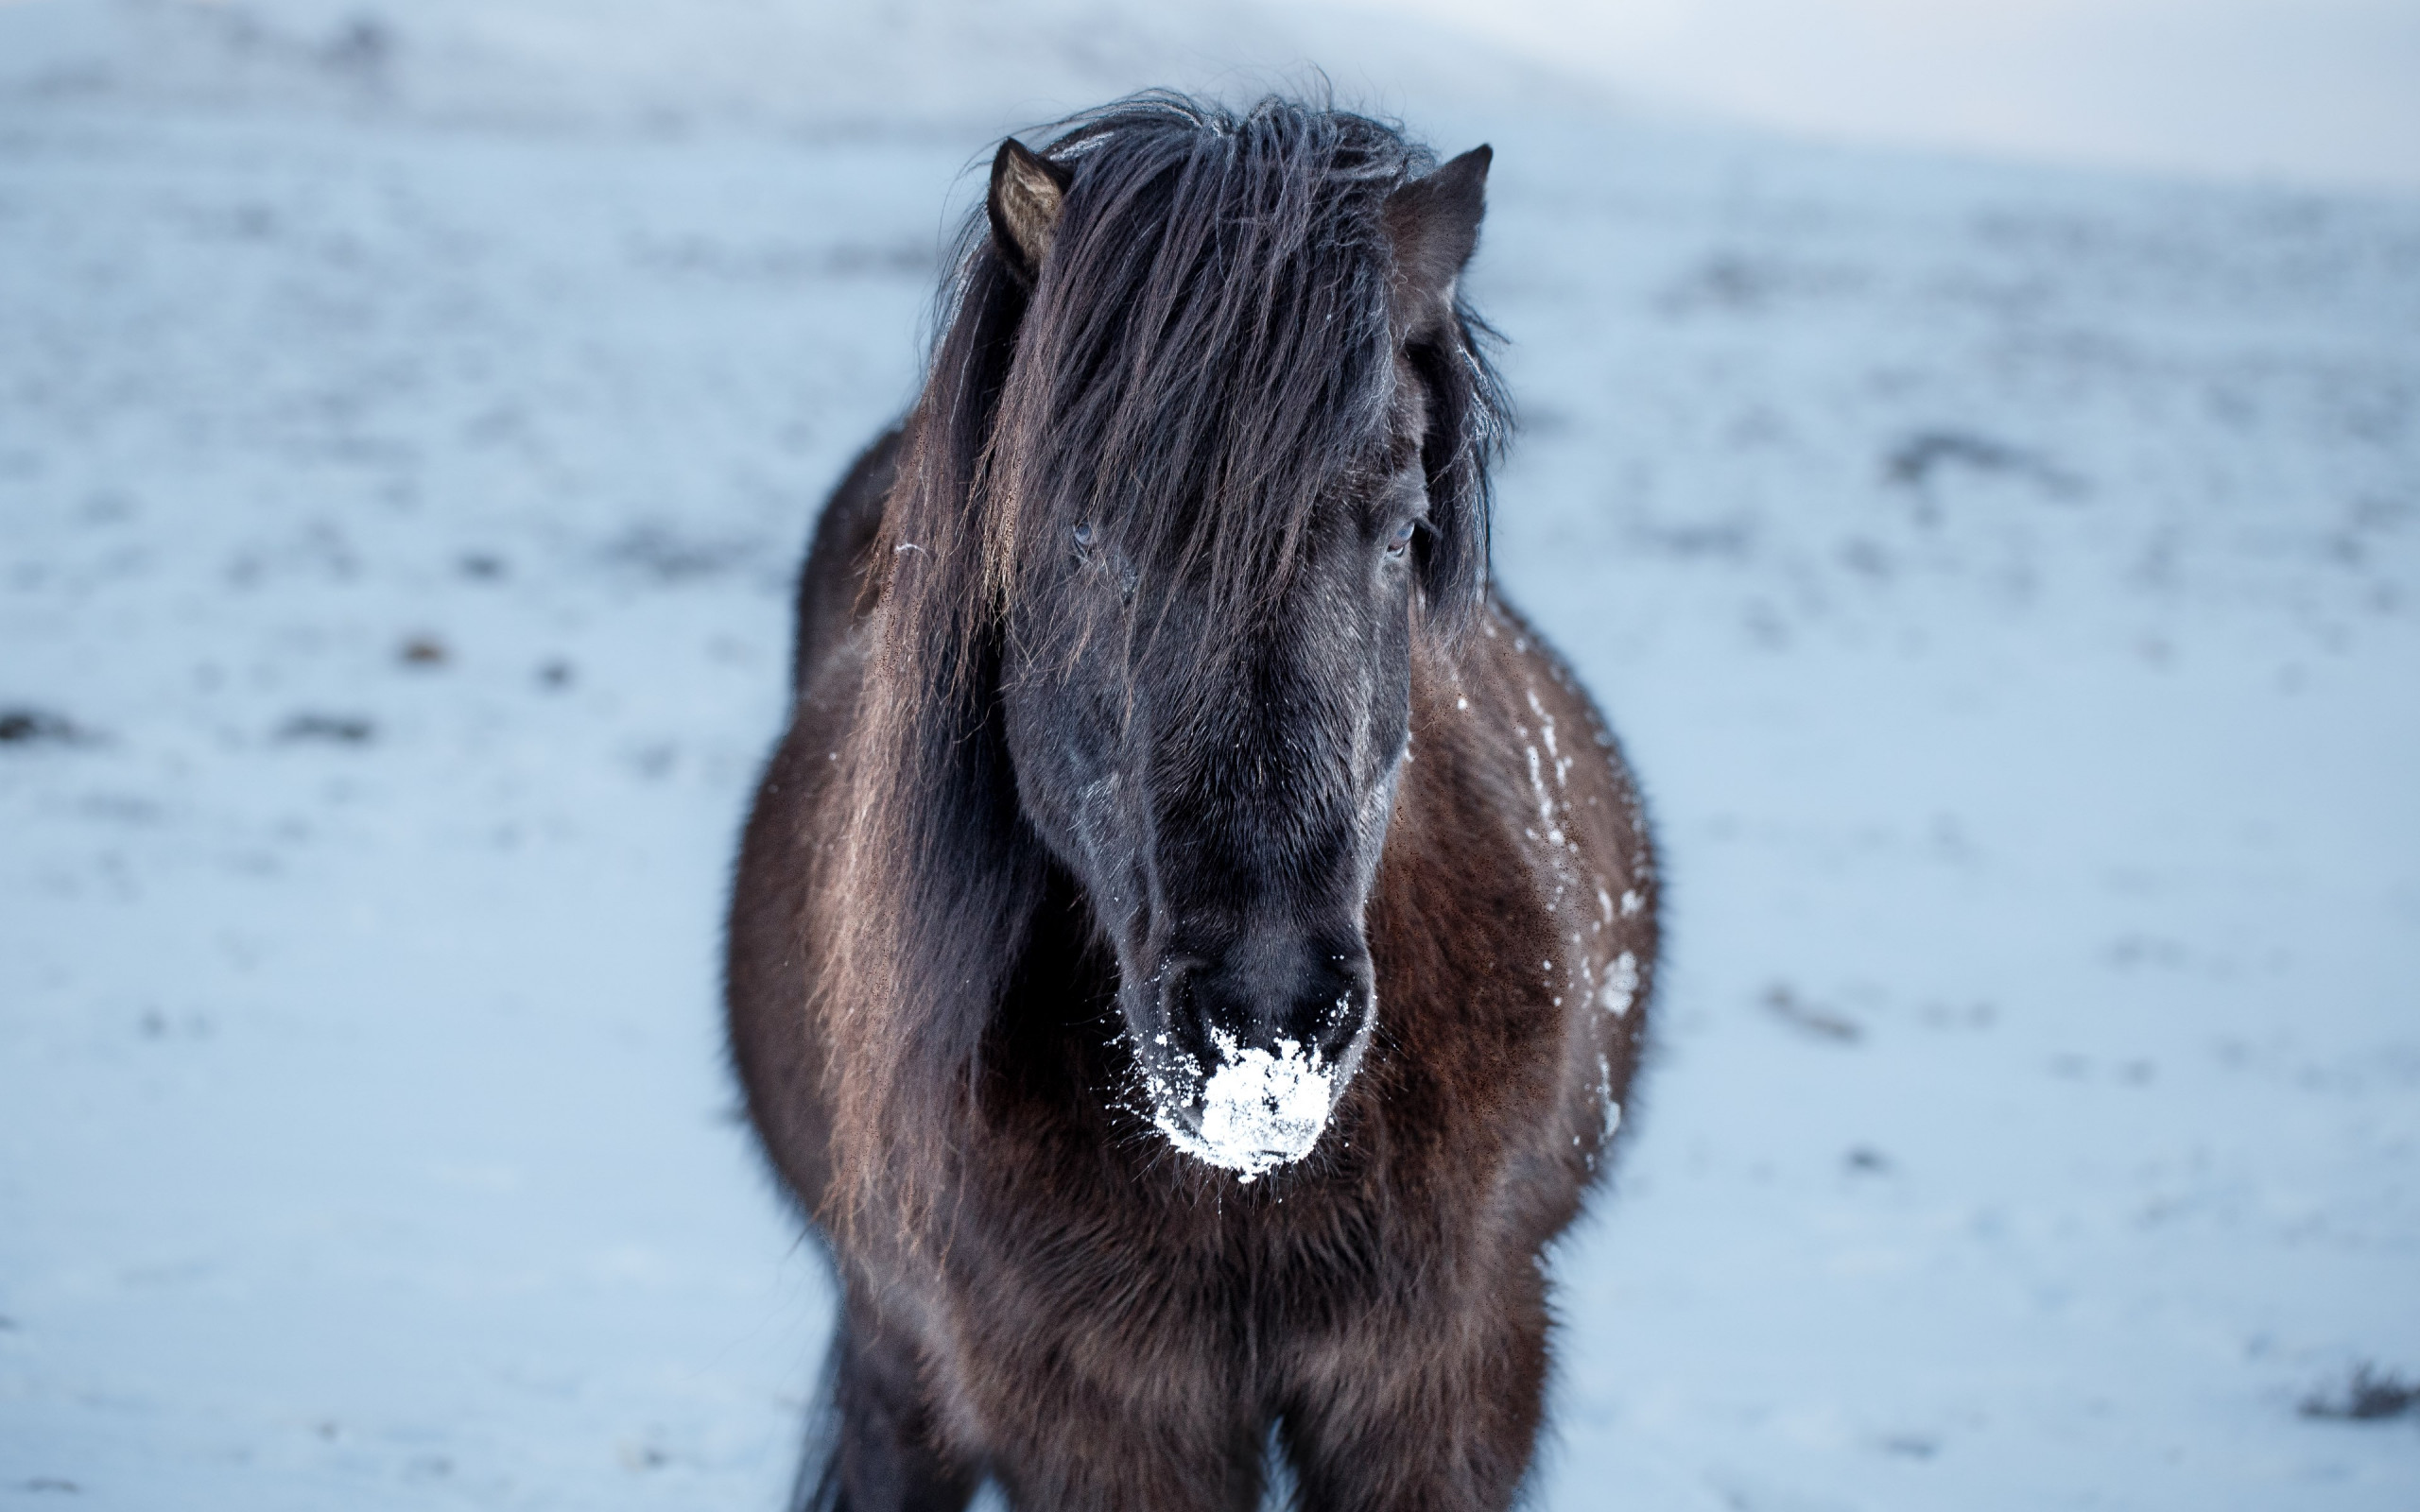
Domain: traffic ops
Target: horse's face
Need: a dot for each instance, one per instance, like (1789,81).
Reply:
(1220,779)
(1222,790)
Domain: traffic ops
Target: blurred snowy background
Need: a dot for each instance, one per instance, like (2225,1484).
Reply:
(1972,451)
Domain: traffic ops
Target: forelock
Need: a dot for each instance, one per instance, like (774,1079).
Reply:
(1210,346)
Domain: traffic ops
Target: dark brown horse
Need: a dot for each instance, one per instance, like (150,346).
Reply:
(1192,944)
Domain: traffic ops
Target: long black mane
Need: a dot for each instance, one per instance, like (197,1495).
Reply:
(1209,353)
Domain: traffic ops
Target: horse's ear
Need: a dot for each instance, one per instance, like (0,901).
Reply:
(1433,223)
(1028,192)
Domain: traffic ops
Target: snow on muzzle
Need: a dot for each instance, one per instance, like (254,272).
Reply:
(1256,1111)
(1252,1101)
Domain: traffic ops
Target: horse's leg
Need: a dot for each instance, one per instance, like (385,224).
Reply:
(1446,1426)
(882,1453)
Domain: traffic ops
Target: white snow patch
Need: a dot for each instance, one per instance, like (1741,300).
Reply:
(1259,1110)
(1621,985)
(1545,800)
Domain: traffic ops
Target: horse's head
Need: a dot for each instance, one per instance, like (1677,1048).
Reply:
(1236,466)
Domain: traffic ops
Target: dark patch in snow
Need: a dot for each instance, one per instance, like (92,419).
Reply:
(667,558)
(2370,1395)
(641,1458)
(154,1024)
(345,729)
(1917,460)
(423,651)
(1731,538)
(25,726)
(1811,1018)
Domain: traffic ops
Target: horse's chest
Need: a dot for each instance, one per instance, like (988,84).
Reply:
(1210,1277)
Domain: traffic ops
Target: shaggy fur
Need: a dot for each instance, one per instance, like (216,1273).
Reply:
(1150,686)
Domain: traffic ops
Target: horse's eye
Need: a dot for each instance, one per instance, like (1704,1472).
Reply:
(1401,538)
(1084,537)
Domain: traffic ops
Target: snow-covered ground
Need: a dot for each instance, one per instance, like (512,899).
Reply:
(2008,581)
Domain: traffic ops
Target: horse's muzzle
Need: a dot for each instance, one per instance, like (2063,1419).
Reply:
(1256,1047)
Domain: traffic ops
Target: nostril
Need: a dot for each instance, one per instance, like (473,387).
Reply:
(1266,994)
